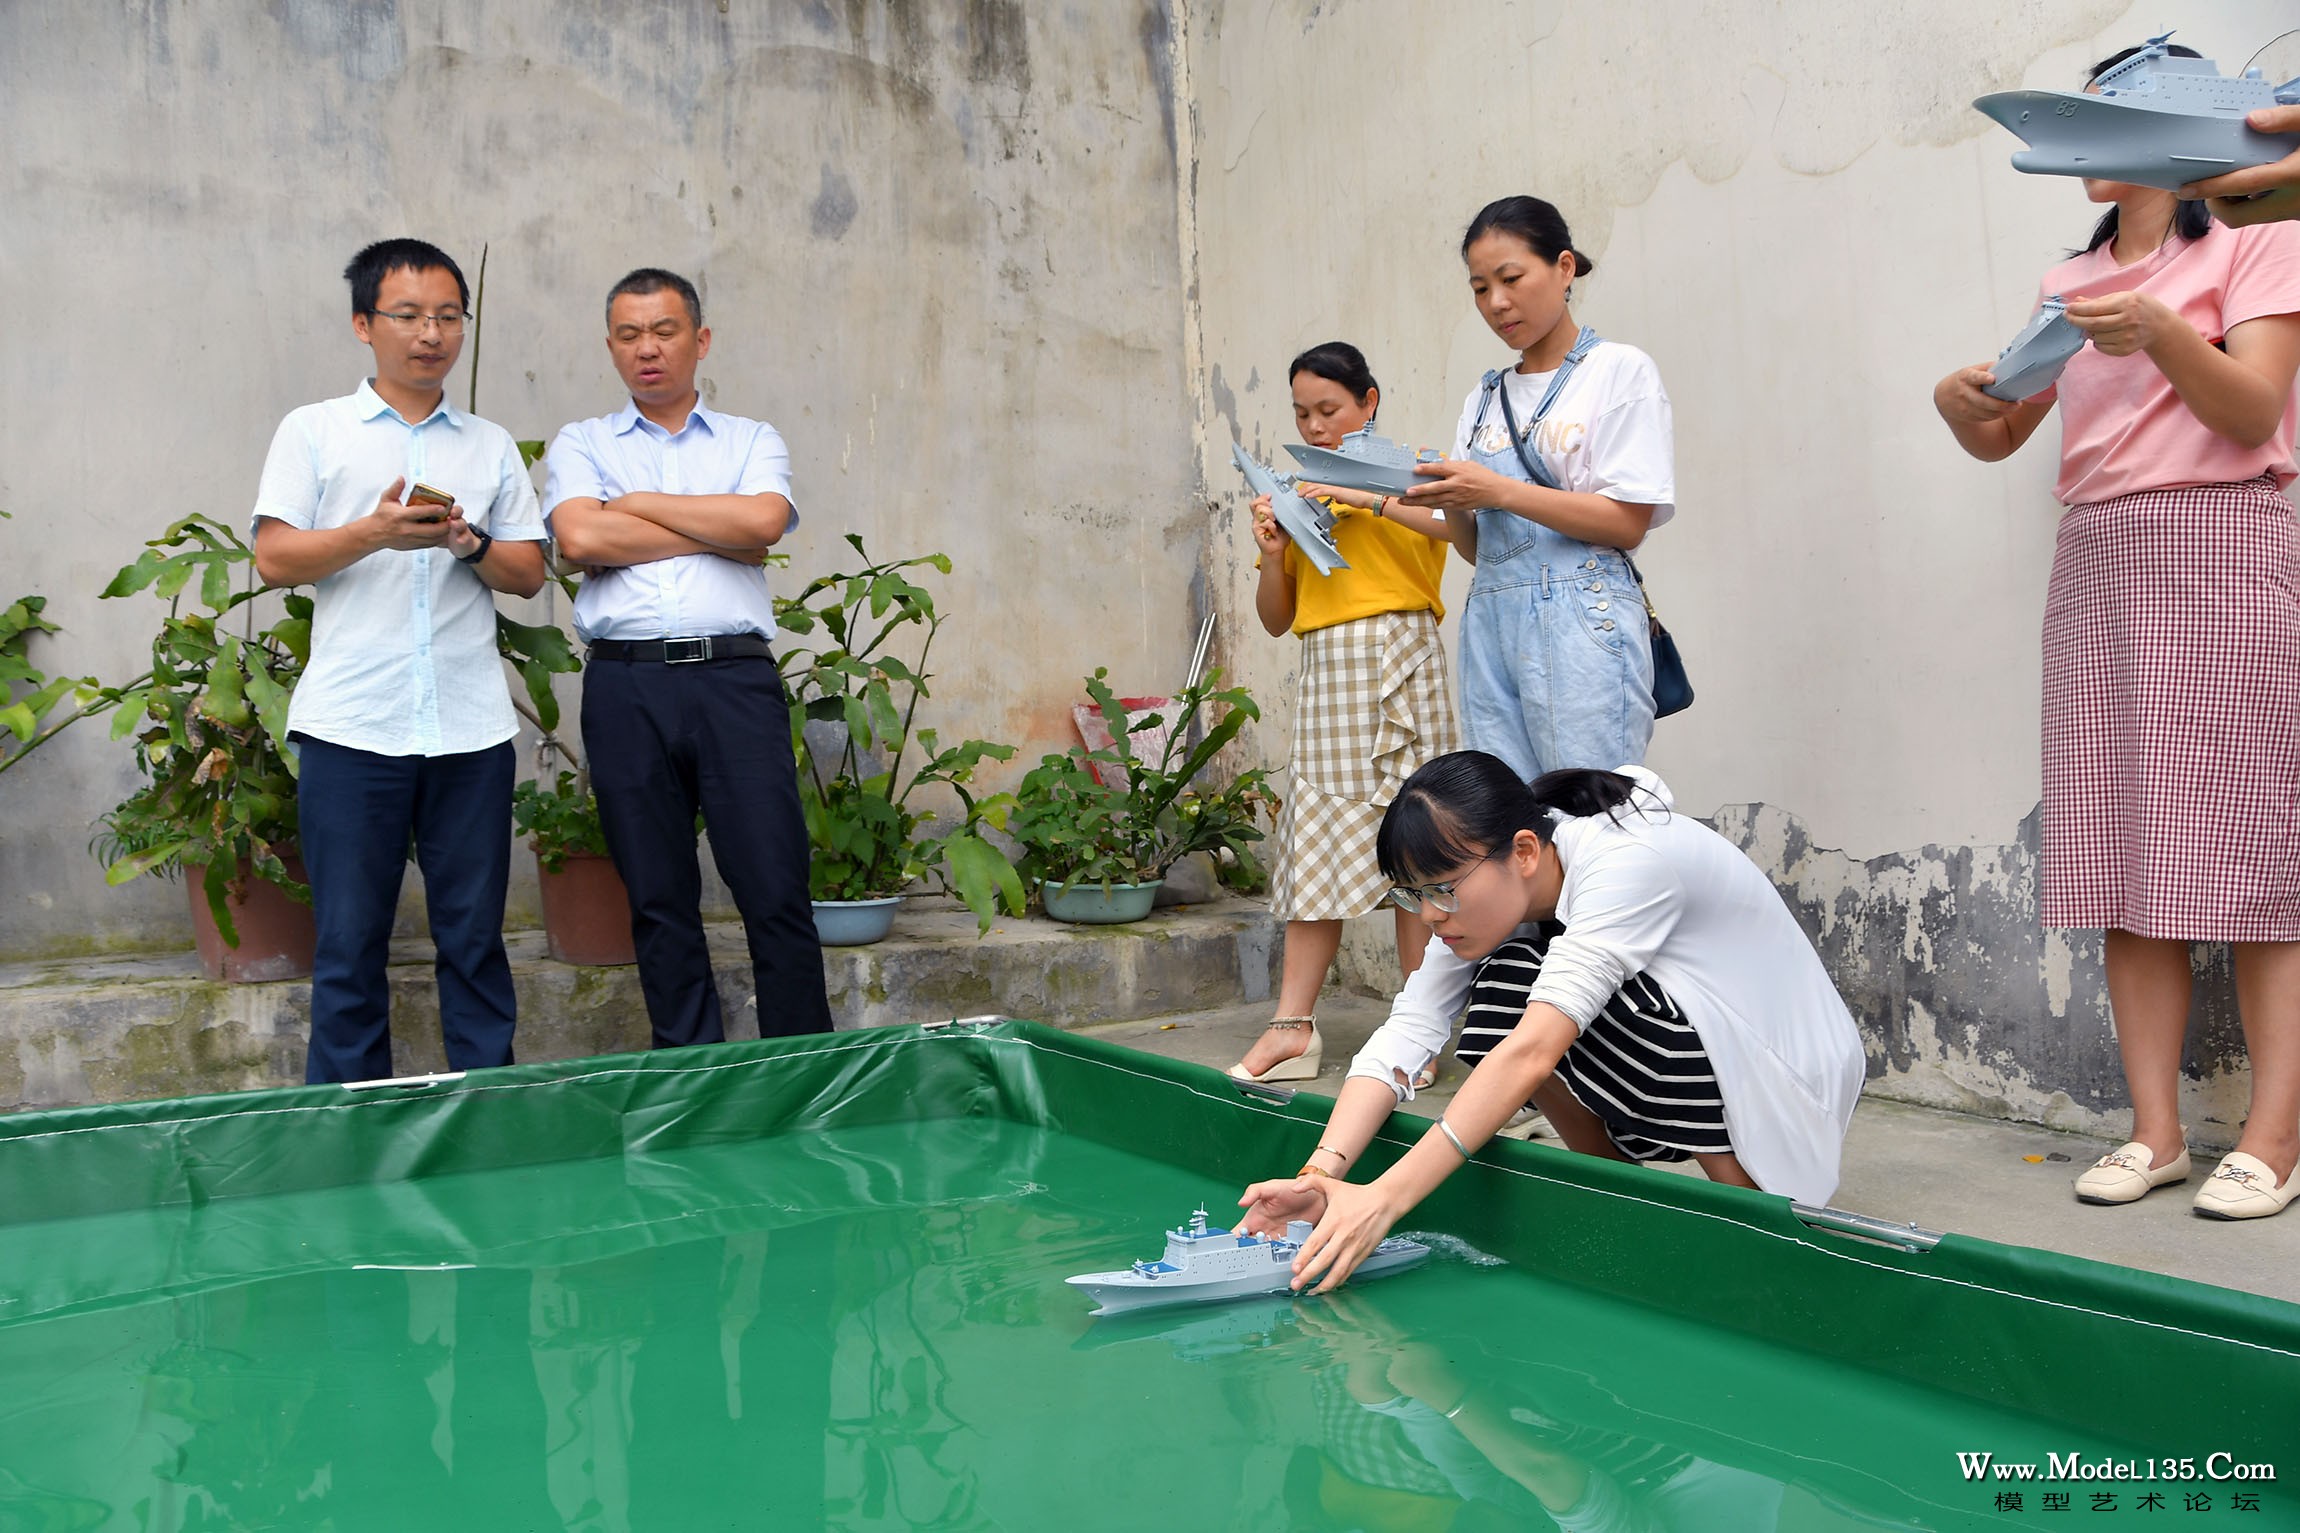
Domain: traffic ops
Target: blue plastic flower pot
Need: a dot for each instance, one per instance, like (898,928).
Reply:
(851,923)
(1093,904)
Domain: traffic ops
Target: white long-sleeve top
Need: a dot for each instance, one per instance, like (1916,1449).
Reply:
(1655,892)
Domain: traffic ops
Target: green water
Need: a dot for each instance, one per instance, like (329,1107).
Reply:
(867,1328)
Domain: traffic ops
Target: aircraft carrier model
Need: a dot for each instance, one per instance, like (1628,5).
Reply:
(1309,524)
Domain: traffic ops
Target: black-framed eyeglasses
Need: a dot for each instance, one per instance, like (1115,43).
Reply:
(1441,898)
(448,320)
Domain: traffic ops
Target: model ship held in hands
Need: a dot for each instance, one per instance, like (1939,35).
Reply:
(1203,1265)
(1309,524)
(2154,120)
(2031,362)
(1364,462)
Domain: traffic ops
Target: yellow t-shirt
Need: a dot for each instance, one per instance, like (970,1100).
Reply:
(1392,569)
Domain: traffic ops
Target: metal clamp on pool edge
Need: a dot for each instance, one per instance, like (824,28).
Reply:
(1838,1221)
(408,1082)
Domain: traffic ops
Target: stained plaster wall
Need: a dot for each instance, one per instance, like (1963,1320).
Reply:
(937,241)
(1795,211)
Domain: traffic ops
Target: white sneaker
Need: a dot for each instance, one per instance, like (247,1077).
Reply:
(1527,1123)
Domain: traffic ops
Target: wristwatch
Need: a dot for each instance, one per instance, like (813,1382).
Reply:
(479,553)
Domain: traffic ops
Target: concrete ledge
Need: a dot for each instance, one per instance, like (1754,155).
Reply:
(122,1029)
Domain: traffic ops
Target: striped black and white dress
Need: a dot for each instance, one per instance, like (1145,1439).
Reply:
(1639,1065)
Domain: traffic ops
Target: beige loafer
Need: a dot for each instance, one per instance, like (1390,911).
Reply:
(2124,1175)
(2242,1187)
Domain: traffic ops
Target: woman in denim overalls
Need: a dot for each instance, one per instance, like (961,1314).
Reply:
(1556,653)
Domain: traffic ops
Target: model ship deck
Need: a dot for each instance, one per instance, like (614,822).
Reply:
(1205,1265)
(2153,120)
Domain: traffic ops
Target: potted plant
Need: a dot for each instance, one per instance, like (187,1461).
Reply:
(210,720)
(1100,829)
(586,909)
(867,756)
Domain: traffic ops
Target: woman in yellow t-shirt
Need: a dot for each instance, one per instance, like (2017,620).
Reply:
(1374,704)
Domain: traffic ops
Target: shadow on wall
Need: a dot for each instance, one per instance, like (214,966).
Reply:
(1966,1001)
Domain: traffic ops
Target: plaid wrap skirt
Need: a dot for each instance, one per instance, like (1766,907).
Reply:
(2172,716)
(1374,705)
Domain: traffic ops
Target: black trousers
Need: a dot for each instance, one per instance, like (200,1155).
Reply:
(665,741)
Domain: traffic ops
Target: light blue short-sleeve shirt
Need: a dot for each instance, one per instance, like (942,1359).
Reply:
(691,594)
(403,656)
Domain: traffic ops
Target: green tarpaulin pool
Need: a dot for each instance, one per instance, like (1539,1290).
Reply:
(818,1283)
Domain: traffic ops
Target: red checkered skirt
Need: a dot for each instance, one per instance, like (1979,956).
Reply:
(2172,716)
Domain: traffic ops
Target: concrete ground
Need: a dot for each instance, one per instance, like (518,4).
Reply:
(1940,1170)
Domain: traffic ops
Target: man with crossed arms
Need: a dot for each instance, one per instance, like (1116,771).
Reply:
(672,506)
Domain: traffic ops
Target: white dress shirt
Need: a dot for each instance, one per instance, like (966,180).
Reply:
(1660,893)
(403,657)
(690,594)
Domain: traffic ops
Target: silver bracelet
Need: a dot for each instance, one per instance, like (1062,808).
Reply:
(1453,1138)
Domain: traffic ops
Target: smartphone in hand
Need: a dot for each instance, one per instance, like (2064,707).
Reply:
(421,494)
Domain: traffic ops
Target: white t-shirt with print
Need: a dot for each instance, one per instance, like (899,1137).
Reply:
(1609,433)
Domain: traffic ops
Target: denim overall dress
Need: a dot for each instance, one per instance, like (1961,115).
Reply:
(1556,655)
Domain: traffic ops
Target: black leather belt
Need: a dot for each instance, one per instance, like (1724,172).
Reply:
(709,646)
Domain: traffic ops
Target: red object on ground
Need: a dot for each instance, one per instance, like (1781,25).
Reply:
(1095,731)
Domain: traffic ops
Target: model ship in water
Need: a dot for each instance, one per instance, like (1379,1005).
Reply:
(2032,362)
(2154,120)
(1203,1265)
(1364,462)
(1309,524)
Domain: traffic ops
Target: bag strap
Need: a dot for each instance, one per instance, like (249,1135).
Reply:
(1535,469)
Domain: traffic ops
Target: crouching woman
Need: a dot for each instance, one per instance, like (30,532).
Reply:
(1626,969)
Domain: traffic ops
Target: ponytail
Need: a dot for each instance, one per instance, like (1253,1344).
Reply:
(1463,805)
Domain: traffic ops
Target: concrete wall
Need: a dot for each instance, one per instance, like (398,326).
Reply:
(940,245)
(937,241)
(1794,210)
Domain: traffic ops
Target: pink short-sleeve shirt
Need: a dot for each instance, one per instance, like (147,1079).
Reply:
(2123,428)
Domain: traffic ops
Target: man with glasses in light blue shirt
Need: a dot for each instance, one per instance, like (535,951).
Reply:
(672,506)
(407,515)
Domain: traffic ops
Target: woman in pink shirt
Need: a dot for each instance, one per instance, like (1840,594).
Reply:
(2172,657)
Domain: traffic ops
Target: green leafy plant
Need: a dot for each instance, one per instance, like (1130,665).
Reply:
(29,695)
(210,722)
(559,820)
(1125,814)
(862,830)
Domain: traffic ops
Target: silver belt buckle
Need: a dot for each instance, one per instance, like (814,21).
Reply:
(686,651)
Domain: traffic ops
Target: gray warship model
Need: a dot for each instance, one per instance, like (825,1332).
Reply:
(1364,462)
(2154,120)
(1310,525)
(1204,1265)
(2032,360)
